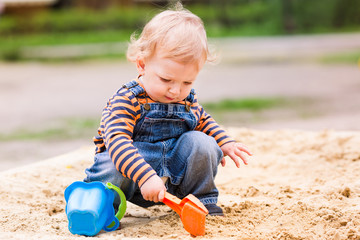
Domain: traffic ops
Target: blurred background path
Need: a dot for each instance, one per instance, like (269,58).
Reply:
(51,109)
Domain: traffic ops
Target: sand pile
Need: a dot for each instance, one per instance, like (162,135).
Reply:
(299,185)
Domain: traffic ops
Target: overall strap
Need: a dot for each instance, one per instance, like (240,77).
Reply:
(190,97)
(134,87)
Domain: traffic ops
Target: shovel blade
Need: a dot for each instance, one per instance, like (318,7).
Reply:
(195,202)
(192,212)
(193,219)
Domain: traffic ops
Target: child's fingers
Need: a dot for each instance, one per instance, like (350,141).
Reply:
(161,195)
(223,162)
(244,148)
(235,159)
(242,156)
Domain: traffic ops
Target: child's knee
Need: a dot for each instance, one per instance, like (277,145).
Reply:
(201,142)
(202,149)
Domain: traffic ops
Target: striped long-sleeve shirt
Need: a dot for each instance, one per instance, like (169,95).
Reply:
(118,121)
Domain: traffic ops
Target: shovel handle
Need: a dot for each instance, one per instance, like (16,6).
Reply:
(173,202)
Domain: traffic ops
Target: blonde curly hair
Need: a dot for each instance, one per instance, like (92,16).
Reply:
(176,33)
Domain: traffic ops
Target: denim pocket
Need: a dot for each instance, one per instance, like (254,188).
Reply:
(160,129)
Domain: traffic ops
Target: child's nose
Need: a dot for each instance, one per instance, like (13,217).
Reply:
(174,90)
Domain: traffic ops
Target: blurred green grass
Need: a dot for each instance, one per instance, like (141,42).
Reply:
(345,58)
(70,128)
(248,104)
(222,19)
(240,112)
(11,47)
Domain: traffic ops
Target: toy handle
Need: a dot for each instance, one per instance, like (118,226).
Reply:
(121,211)
(122,207)
(112,224)
(173,202)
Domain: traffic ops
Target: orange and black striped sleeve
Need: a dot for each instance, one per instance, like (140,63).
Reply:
(209,126)
(117,126)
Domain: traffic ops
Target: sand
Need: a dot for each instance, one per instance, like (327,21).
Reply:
(298,185)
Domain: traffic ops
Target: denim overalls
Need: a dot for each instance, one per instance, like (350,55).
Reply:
(164,135)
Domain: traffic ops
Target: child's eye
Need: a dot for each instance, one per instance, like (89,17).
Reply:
(187,83)
(165,80)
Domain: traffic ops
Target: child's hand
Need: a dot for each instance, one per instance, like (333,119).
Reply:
(235,150)
(153,189)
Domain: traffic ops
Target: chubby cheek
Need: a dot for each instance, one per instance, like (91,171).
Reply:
(157,91)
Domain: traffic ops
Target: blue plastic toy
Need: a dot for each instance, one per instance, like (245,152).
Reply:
(89,207)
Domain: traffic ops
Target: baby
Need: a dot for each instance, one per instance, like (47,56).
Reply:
(154,135)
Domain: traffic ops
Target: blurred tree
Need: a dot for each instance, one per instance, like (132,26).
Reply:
(62,4)
(347,12)
(288,16)
(92,4)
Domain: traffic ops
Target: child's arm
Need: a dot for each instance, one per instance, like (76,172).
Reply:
(209,126)
(234,151)
(119,119)
(117,125)
(228,145)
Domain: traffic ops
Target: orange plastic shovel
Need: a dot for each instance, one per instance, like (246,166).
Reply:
(191,211)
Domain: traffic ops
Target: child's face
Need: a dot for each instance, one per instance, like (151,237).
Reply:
(166,80)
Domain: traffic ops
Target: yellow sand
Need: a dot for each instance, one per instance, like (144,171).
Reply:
(299,185)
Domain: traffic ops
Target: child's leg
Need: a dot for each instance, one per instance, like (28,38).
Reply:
(202,156)
(103,170)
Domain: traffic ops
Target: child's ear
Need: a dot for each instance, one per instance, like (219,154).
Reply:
(140,65)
